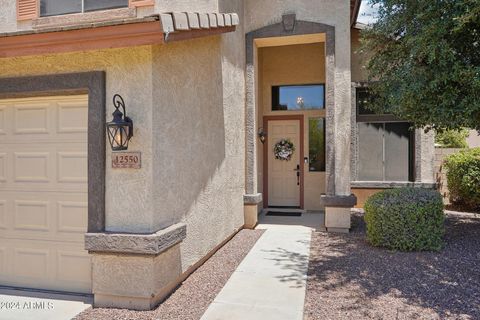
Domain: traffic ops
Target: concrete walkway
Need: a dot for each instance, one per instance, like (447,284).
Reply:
(27,305)
(270,282)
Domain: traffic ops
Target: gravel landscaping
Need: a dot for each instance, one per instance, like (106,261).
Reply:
(349,279)
(193,297)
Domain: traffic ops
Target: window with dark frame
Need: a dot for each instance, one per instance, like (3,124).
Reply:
(61,7)
(385,145)
(298,97)
(316,144)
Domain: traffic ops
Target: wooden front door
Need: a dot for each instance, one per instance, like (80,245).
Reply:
(284,176)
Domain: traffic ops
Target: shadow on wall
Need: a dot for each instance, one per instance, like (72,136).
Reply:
(189,145)
(348,275)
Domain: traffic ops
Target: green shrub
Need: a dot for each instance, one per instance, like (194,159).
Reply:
(452,138)
(407,219)
(463,177)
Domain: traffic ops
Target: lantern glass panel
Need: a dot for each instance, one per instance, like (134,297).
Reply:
(118,136)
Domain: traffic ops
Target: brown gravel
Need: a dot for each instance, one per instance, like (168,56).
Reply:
(348,279)
(193,297)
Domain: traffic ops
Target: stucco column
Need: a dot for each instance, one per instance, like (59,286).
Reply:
(424,156)
(252,198)
(338,199)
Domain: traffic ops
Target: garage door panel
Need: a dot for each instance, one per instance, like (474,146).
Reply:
(71,216)
(72,117)
(31,167)
(73,266)
(3,166)
(30,263)
(31,118)
(3,260)
(43,119)
(72,167)
(44,167)
(3,126)
(3,214)
(44,193)
(46,265)
(31,215)
(56,216)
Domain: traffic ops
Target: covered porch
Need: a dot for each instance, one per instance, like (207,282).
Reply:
(298,103)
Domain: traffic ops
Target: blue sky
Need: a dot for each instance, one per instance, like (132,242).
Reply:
(367,13)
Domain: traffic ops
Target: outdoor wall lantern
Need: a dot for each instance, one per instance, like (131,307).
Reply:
(120,129)
(262,135)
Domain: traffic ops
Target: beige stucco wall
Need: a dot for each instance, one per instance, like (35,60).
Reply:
(198,99)
(9,23)
(473,139)
(286,65)
(187,5)
(187,103)
(359,72)
(129,201)
(8,17)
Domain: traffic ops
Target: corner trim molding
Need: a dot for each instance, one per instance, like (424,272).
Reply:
(146,244)
(252,198)
(93,84)
(338,201)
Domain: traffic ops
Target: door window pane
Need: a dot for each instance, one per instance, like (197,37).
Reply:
(58,7)
(316,143)
(302,97)
(91,5)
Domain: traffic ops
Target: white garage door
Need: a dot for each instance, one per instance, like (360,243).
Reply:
(43,193)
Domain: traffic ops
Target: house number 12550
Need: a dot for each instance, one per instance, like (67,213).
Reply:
(132,160)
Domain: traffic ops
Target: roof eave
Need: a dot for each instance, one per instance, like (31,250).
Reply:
(117,34)
(355,10)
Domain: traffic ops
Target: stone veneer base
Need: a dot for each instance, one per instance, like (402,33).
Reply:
(148,244)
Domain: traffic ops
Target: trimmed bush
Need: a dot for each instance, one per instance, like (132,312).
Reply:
(407,219)
(463,177)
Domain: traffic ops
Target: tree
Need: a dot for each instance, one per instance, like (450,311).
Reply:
(452,138)
(424,62)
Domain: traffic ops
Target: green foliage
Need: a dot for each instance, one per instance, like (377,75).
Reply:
(463,177)
(407,219)
(424,61)
(452,138)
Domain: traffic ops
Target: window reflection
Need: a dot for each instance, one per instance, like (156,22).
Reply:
(298,97)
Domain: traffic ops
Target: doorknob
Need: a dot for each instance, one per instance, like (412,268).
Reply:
(297,169)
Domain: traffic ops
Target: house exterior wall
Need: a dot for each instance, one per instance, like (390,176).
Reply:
(186,100)
(473,139)
(8,17)
(200,178)
(359,72)
(286,65)
(186,6)
(127,191)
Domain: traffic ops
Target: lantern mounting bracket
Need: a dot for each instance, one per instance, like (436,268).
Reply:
(117,103)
